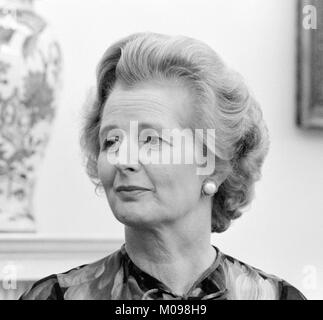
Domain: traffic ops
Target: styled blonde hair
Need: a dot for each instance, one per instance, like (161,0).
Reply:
(221,102)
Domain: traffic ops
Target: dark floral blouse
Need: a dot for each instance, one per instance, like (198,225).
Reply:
(116,277)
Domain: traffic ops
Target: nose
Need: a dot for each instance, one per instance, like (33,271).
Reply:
(131,167)
(128,156)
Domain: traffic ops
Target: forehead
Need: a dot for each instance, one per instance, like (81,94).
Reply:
(162,104)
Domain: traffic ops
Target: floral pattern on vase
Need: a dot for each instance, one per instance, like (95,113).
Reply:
(30,67)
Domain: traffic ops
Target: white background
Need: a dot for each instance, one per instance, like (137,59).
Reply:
(282,231)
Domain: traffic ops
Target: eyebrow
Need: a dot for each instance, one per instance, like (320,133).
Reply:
(141,126)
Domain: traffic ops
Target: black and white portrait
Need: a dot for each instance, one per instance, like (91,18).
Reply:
(156,150)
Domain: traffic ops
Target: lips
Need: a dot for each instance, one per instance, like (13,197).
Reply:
(131,188)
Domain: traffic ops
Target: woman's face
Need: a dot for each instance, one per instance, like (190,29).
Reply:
(171,190)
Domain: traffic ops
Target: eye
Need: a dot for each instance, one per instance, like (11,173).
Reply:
(153,140)
(111,144)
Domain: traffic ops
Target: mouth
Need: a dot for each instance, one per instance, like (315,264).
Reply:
(131,189)
(131,193)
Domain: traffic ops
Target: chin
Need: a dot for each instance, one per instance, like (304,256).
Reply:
(134,217)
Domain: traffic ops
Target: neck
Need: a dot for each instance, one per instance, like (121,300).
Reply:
(176,255)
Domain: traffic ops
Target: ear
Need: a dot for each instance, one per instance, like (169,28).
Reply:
(219,177)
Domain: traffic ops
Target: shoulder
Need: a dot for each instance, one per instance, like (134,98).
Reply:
(44,289)
(83,282)
(245,282)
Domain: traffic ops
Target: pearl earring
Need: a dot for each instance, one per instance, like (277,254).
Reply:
(209,188)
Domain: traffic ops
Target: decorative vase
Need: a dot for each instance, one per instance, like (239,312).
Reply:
(30,66)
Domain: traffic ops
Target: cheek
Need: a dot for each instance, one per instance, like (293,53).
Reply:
(178,180)
(105,172)
(190,180)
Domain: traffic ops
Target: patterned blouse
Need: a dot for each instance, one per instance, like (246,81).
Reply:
(116,277)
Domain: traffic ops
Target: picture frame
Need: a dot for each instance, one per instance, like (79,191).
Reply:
(310,64)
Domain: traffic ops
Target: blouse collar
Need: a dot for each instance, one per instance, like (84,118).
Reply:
(210,285)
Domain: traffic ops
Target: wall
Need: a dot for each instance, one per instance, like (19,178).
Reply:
(282,232)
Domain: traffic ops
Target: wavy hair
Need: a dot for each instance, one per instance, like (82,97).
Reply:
(223,103)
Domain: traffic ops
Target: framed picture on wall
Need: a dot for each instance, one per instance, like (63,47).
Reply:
(310,64)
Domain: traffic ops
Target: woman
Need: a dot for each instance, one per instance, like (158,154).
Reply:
(152,91)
